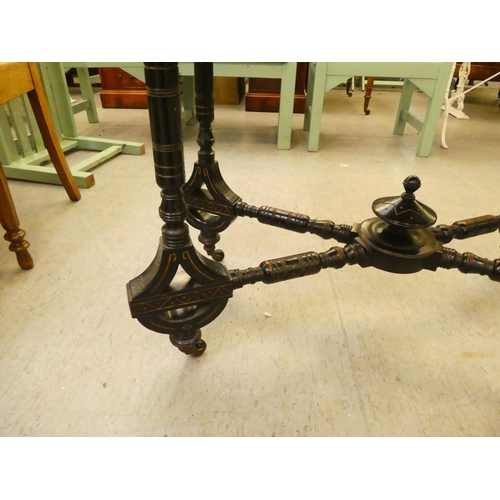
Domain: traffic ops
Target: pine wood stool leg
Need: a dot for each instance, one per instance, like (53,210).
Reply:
(10,222)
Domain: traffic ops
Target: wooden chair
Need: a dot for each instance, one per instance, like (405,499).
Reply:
(87,102)
(26,163)
(17,79)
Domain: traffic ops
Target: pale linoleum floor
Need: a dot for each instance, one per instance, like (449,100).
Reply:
(350,352)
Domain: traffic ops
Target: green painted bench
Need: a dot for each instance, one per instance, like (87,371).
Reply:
(24,159)
(432,78)
(286,71)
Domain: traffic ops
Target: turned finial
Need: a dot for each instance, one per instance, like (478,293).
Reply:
(411,184)
(405,210)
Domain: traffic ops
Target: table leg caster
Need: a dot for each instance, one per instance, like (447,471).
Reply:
(217,255)
(193,345)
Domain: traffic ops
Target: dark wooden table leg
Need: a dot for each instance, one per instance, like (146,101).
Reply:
(209,198)
(181,291)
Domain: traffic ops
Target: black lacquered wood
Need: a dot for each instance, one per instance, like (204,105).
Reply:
(204,108)
(294,221)
(162,83)
(209,198)
(405,211)
(399,239)
(467,228)
(181,291)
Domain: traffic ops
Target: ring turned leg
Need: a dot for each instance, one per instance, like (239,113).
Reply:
(181,291)
(19,246)
(10,222)
(209,198)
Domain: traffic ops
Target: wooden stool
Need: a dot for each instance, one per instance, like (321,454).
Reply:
(17,79)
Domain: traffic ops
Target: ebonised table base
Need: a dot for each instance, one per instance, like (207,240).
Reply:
(182,290)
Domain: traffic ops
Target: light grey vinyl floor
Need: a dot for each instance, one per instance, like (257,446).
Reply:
(350,352)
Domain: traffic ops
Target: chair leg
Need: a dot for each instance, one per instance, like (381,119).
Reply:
(49,135)
(309,92)
(433,113)
(87,94)
(10,222)
(429,127)
(368,94)
(287,95)
(404,106)
(348,87)
(317,91)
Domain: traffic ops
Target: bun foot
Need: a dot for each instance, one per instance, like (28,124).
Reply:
(18,245)
(24,260)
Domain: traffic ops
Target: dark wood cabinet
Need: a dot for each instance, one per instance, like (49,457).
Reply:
(480,70)
(264,93)
(122,90)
